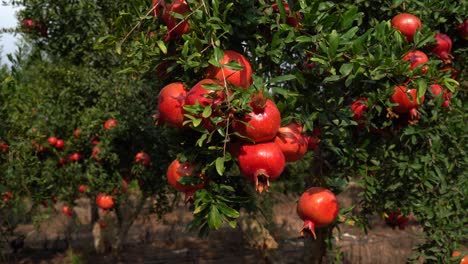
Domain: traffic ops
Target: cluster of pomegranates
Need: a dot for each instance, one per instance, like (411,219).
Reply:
(175,26)
(407,98)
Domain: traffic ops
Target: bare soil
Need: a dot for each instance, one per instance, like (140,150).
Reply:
(166,240)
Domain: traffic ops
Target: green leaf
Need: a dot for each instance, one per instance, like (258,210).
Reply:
(282,78)
(220,165)
(207,111)
(162,46)
(227,211)
(422,87)
(333,42)
(118,47)
(346,69)
(214,218)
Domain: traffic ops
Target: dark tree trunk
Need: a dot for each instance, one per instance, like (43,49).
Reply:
(315,249)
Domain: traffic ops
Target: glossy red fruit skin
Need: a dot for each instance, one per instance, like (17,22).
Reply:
(171,101)
(436,89)
(4,146)
(175,27)
(52,141)
(242,78)
(199,93)
(318,207)
(359,108)
(443,47)
(262,124)
(144,158)
(156,7)
(292,142)
(105,201)
(82,188)
(261,163)
(28,24)
(67,211)
(176,170)
(406,99)
(74,157)
(416,58)
(60,144)
(110,123)
(407,24)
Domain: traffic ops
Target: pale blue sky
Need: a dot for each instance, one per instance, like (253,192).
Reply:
(8,40)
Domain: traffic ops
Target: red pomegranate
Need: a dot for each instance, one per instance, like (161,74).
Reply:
(407,24)
(240,78)
(261,163)
(60,144)
(176,170)
(407,102)
(416,58)
(443,47)
(144,158)
(291,20)
(318,207)
(359,107)
(74,157)
(175,26)
(292,142)
(28,24)
(464,260)
(395,219)
(110,123)
(171,101)
(262,123)
(156,7)
(61,161)
(4,146)
(52,141)
(95,153)
(82,188)
(104,201)
(463,28)
(67,210)
(436,89)
(77,132)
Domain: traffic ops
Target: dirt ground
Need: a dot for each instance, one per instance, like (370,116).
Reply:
(167,240)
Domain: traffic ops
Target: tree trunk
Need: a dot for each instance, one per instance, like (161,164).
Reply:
(315,249)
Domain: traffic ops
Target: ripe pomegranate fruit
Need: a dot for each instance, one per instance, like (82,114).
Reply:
(240,78)
(28,24)
(176,170)
(292,142)
(406,100)
(7,196)
(464,260)
(104,201)
(95,153)
(436,89)
(61,161)
(175,27)
(82,188)
(407,24)
(110,123)
(52,141)
(60,144)
(262,123)
(4,146)
(416,58)
(157,4)
(318,207)
(291,20)
(171,100)
(359,107)
(443,47)
(395,219)
(67,210)
(77,132)
(74,157)
(463,28)
(144,158)
(261,163)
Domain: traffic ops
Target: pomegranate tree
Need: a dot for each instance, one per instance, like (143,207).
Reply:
(318,207)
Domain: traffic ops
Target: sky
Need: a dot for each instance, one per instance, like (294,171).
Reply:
(8,40)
